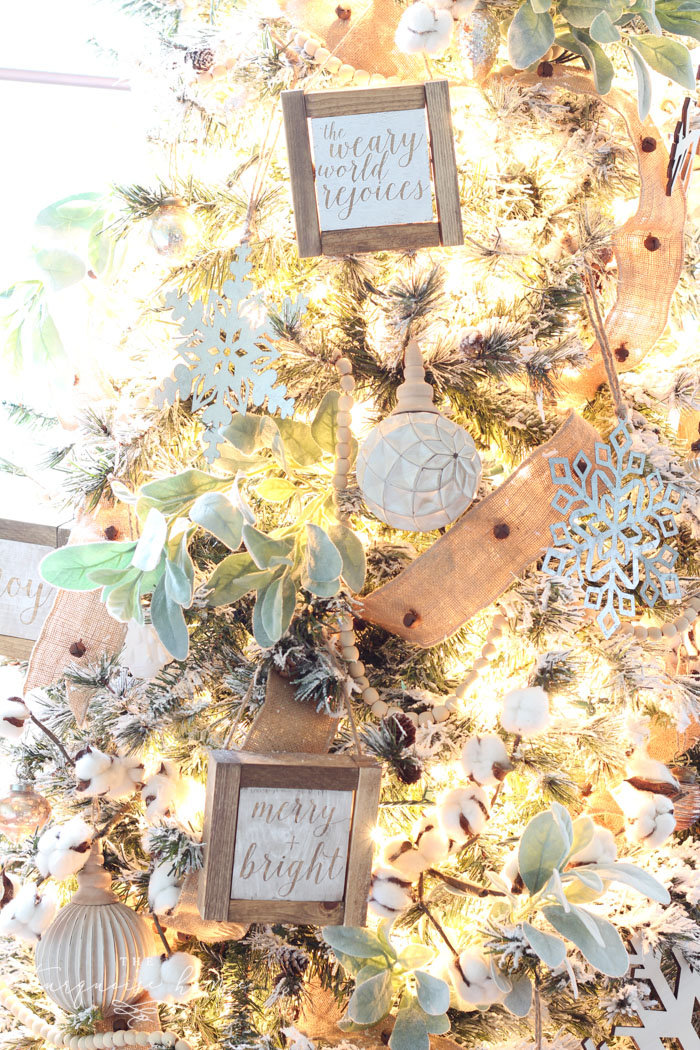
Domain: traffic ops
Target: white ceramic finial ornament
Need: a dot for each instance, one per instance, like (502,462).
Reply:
(91,953)
(418,470)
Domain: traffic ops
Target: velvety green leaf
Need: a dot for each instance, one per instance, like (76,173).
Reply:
(263,549)
(583,831)
(77,210)
(519,998)
(122,492)
(635,877)
(177,585)
(235,577)
(540,6)
(581,13)
(668,57)
(46,343)
(410,1030)
(100,249)
(551,949)
(371,1000)
(62,268)
(643,84)
(215,513)
(589,879)
(321,590)
(346,1025)
(250,432)
(437,1024)
(276,490)
(169,621)
(645,9)
(299,444)
(598,61)
(352,554)
(543,847)
(610,958)
(323,560)
(530,36)
(70,567)
(175,494)
(370,969)
(151,542)
(433,993)
(277,604)
(353,940)
(149,580)
(413,956)
(564,822)
(603,31)
(577,893)
(681,20)
(123,601)
(113,577)
(324,428)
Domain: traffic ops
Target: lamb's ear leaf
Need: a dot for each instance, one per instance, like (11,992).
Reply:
(169,621)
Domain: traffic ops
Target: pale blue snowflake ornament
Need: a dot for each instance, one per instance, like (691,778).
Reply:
(229,351)
(611,539)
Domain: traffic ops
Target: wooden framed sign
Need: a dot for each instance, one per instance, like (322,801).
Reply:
(288,838)
(372,169)
(25,599)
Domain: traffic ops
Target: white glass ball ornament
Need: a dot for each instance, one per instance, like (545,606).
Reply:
(418,471)
(91,954)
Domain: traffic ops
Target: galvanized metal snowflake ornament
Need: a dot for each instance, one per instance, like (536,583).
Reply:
(611,539)
(229,350)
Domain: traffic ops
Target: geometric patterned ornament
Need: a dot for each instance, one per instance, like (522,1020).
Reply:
(228,349)
(418,470)
(669,1021)
(611,538)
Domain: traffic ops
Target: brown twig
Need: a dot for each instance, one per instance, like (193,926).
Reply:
(538,1015)
(598,325)
(429,915)
(161,933)
(53,738)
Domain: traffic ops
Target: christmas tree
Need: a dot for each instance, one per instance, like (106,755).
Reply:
(366,708)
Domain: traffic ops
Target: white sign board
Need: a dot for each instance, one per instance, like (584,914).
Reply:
(372,169)
(291,844)
(25,599)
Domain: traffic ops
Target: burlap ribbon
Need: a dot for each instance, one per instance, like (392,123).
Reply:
(646,278)
(363,38)
(483,553)
(80,616)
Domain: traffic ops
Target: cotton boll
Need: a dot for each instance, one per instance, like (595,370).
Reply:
(654,822)
(463,812)
(29,913)
(485,759)
(510,872)
(525,711)
(112,775)
(421,28)
(431,841)
(91,764)
(64,850)
(171,979)
(167,793)
(164,888)
(13,715)
(472,981)
(642,768)
(389,894)
(143,652)
(600,850)
(404,858)
(126,775)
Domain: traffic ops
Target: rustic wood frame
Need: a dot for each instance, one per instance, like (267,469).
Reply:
(229,771)
(32,533)
(434,97)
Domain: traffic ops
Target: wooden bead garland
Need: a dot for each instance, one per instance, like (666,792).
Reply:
(53,1035)
(345,73)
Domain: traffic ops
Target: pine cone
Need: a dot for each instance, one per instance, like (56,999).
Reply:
(293,961)
(401,728)
(408,769)
(201,58)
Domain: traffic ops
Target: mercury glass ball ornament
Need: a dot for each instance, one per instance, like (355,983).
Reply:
(91,954)
(418,470)
(174,233)
(23,812)
(478,38)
